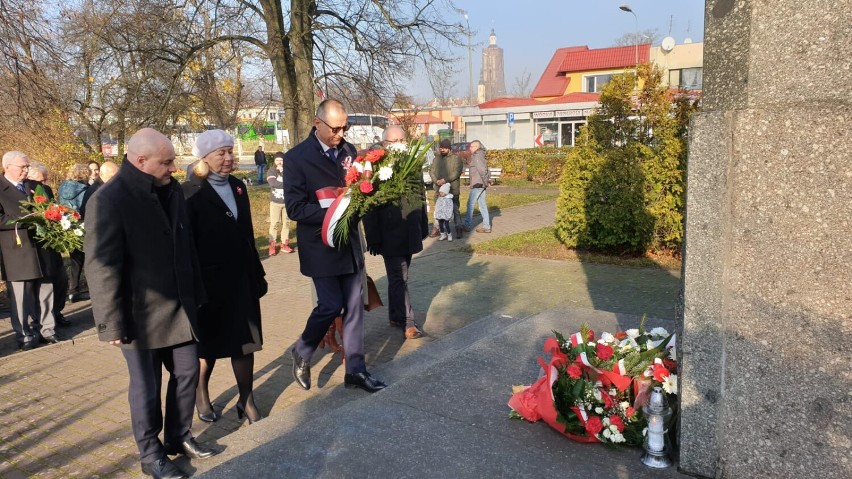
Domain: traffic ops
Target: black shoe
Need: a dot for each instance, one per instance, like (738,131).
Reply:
(191,449)
(212,416)
(74,297)
(363,381)
(52,339)
(163,469)
(61,320)
(27,345)
(301,371)
(241,413)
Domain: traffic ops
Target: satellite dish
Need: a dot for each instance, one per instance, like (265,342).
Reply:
(668,44)
(687,40)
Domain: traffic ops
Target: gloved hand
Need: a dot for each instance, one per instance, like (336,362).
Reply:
(374,249)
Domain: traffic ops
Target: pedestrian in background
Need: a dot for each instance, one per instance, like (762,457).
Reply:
(72,193)
(277,210)
(479,178)
(448,168)
(260,162)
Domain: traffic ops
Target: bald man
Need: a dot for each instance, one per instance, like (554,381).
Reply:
(315,163)
(145,289)
(108,170)
(396,231)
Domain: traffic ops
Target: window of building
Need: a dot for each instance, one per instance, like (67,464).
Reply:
(561,132)
(687,78)
(594,83)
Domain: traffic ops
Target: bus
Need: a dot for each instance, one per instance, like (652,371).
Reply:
(365,129)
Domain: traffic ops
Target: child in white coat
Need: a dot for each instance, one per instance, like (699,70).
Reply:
(444,212)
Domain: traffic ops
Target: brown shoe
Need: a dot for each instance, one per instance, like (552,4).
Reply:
(413,332)
(482,229)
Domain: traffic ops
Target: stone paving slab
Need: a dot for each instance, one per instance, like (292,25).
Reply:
(64,406)
(447,420)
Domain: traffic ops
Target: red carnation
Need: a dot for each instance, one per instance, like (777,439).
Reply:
(574,371)
(603,352)
(660,372)
(590,336)
(76,215)
(40,199)
(594,425)
(617,422)
(53,214)
(352,175)
(374,155)
(669,364)
(630,412)
(621,335)
(607,399)
(366,187)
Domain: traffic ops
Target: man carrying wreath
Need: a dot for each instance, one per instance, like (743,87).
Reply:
(318,162)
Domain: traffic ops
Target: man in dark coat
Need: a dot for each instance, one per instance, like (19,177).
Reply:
(146,287)
(447,168)
(260,162)
(396,232)
(315,163)
(27,268)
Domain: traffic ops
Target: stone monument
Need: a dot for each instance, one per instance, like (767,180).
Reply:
(766,383)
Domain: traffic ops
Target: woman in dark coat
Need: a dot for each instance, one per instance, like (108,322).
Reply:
(72,193)
(229,323)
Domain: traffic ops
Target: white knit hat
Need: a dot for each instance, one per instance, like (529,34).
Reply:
(211,140)
(445,188)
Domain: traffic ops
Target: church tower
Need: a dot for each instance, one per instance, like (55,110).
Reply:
(492,80)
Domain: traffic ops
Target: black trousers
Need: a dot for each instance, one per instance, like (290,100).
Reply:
(146,412)
(77,259)
(336,294)
(399,301)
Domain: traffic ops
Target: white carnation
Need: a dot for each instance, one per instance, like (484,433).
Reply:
(65,223)
(607,338)
(607,433)
(78,231)
(617,437)
(660,332)
(385,173)
(632,333)
(398,147)
(624,405)
(670,384)
(598,410)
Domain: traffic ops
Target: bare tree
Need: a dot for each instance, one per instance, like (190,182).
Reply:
(443,82)
(521,85)
(652,36)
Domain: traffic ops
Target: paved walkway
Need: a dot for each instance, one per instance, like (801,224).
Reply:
(64,406)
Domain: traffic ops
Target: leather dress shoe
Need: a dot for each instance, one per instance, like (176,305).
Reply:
(163,469)
(61,320)
(301,371)
(52,339)
(27,345)
(363,381)
(191,449)
(413,332)
(74,297)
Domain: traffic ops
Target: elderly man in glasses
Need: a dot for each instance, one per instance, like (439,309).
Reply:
(28,269)
(316,163)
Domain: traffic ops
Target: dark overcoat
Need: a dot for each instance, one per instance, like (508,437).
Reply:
(29,260)
(397,229)
(141,263)
(307,169)
(229,324)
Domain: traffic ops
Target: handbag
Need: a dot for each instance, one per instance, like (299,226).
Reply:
(373,298)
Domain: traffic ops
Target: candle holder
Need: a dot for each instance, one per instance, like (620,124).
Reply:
(657,446)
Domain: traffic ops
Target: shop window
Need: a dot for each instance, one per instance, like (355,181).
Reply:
(595,83)
(687,78)
(549,133)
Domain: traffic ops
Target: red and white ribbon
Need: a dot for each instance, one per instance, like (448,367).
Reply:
(332,216)
(327,195)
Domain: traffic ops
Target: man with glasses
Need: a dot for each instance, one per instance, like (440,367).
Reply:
(396,231)
(319,162)
(28,269)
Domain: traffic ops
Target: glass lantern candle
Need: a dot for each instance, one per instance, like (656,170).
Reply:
(657,446)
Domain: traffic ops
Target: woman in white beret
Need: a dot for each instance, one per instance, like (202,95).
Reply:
(229,323)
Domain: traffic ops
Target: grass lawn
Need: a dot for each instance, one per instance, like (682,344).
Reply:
(542,243)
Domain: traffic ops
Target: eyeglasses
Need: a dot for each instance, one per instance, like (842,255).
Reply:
(335,129)
(23,167)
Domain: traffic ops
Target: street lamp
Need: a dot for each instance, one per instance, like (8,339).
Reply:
(469,63)
(626,8)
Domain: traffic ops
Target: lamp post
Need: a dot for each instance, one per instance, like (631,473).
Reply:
(626,8)
(469,63)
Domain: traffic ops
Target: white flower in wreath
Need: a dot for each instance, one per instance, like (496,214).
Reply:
(385,173)
(65,223)
(607,433)
(632,333)
(617,437)
(598,410)
(401,147)
(78,231)
(659,332)
(670,384)
(607,338)
(624,405)
(597,394)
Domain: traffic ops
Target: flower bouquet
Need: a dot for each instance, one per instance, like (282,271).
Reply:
(593,388)
(55,226)
(380,177)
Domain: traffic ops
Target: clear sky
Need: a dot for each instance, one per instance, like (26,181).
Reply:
(530,31)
